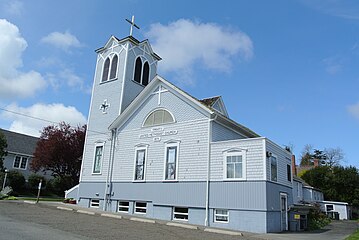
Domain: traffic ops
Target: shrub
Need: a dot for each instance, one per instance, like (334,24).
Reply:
(34,179)
(58,185)
(16,180)
(317,219)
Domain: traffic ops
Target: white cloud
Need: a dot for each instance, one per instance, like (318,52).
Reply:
(56,113)
(354,110)
(13,7)
(185,43)
(333,65)
(14,83)
(63,41)
(338,8)
(69,78)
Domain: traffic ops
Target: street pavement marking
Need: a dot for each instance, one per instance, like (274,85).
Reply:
(181,225)
(29,202)
(213,230)
(65,208)
(142,220)
(111,215)
(86,212)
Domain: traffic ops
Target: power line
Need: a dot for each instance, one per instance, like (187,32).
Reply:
(42,119)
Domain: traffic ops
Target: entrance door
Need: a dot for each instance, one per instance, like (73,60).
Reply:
(283,212)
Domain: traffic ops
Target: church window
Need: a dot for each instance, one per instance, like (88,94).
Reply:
(234,165)
(98,160)
(171,161)
(158,117)
(146,74)
(140,164)
(114,67)
(106,69)
(273,168)
(138,70)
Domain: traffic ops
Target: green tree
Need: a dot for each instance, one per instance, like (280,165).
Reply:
(3,152)
(338,183)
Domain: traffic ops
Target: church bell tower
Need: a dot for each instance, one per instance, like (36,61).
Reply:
(124,67)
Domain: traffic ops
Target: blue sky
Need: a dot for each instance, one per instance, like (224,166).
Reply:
(286,69)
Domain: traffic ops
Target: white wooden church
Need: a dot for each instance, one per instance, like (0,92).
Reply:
(158,152)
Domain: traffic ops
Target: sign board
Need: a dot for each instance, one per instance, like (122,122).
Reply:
(296,216)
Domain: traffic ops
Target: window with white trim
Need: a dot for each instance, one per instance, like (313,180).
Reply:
(140,163)
(180,213)
(98,159)
(171,161)
(273,168)
(95,203)
(140,207)
(234,165)
(158,117)
(20,162)
(142,72)
(110,68)
(123,206)
(221,215)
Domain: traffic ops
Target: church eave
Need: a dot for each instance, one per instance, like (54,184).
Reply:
(130,39)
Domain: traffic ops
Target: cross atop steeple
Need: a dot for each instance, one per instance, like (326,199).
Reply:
(132,22)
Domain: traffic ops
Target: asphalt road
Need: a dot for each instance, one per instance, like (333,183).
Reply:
(23,221)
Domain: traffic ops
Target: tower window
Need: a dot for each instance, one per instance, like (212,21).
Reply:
(114,67)
(142,72)
(146,74)
(110,68)
(106,68)
(138,69)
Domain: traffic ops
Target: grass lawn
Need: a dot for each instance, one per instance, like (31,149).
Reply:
(354,236)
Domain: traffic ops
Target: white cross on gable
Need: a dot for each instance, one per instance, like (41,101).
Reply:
(159,91)
(104,106)
(133,24)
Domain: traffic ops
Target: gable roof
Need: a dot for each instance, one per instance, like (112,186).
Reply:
(133,41)
(209,101)
(212,113)
(213,101)
(19,143)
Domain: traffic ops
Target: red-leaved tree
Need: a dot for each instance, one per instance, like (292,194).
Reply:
(59,150)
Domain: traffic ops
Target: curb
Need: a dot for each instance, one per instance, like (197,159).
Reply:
(29,202)
(181,225)
(111,215)
(85,212)
(136,219)
(142,220)
(214,230)
(65,208)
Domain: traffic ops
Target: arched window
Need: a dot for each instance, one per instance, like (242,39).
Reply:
(114,67)
(157,117)
(106,68)
(146,74)
(138,69)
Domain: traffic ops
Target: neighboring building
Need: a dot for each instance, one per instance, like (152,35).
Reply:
(336,210)
(305,197)
(155,151)
(20,150)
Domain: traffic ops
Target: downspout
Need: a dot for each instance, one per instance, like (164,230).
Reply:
(109,171)
(208,167)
